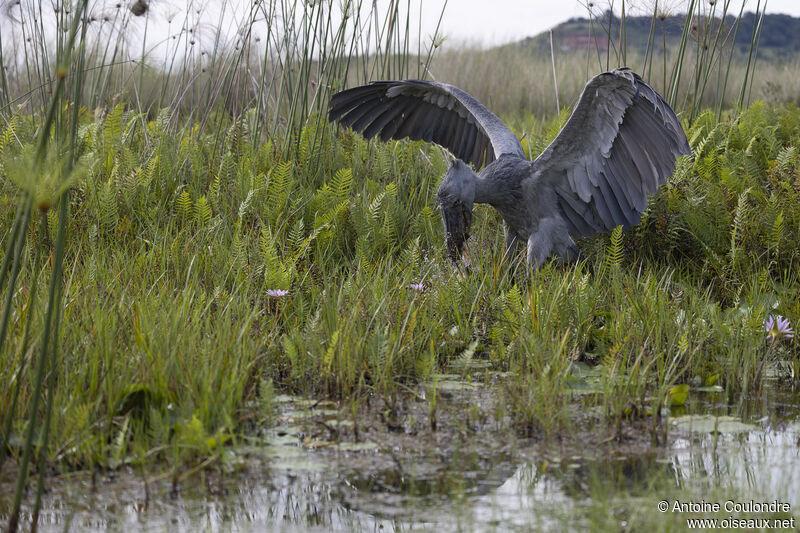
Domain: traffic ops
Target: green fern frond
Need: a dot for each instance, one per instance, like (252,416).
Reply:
(184,207)
(163,121)
(786,158)
(278,188)
(330,215)
(213,191)
(614,250)
(202,211)
(385,163)
(228,170)
(737,226)
(240,255)
(462,362)
(109,213)
(276,275)
(52,224)
(305,146)
(113,127)
(9,134)
(259,183)
(149,171)
(775,235)
(389,230)
(296,235)
(513,300)
(237,138)
(245,205)
(342,183)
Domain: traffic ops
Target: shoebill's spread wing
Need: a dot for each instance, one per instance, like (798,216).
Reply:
(618,146)
(427,110)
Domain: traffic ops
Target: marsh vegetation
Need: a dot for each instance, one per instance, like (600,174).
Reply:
(203,279)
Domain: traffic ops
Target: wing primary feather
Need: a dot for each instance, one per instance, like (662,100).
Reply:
(344,101)
(386,117)
(477,153)
(648,172)
(445,127)
(617,216)
(615,171)
(581,209)
(391,129)
(427,110)
(411,125)
(603,211)
(646,127)
(578,227)
(460,138)
(640,177)
(360,117)
(429,124)
(469,145)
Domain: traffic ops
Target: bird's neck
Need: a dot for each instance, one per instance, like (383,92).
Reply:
(486,191)
(498,185)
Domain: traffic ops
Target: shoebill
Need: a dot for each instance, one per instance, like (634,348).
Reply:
(618,146)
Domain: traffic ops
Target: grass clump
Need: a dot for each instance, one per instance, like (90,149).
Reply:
(196,275)
(205,263)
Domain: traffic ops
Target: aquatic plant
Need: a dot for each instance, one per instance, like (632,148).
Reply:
(176,230)
(276,293)
(778,327)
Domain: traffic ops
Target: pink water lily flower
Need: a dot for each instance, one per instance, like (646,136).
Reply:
(778,326)
(277,293)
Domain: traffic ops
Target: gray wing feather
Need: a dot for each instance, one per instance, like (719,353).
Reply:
(618,146)
(430,111)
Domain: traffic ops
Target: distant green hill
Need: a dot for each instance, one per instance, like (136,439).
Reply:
(780,35)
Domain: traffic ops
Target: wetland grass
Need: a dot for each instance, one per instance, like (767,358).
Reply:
(196,257)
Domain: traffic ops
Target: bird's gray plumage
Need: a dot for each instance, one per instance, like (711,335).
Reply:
(618,146)
(426,110)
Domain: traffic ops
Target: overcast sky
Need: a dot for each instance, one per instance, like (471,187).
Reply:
(481,22)
(498,21)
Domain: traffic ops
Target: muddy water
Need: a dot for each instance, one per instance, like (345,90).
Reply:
(308,473)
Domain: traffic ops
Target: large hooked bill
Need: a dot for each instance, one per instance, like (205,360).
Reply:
(457,218)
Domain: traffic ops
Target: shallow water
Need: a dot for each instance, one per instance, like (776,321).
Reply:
(456,479)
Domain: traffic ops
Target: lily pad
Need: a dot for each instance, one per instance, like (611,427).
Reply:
(471,365)
(435,378)
(711,388)
(298,465)
(283,453)
(341,423)
(309,413)
(711,424)
(357,446)
(580,385)
(296,401)
(288,439)
(455,386)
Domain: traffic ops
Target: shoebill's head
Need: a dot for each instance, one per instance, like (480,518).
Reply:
(455,196)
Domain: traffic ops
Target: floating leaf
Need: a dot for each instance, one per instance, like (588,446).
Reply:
(712,424)
(357,446)
(677,395)
(713,388)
